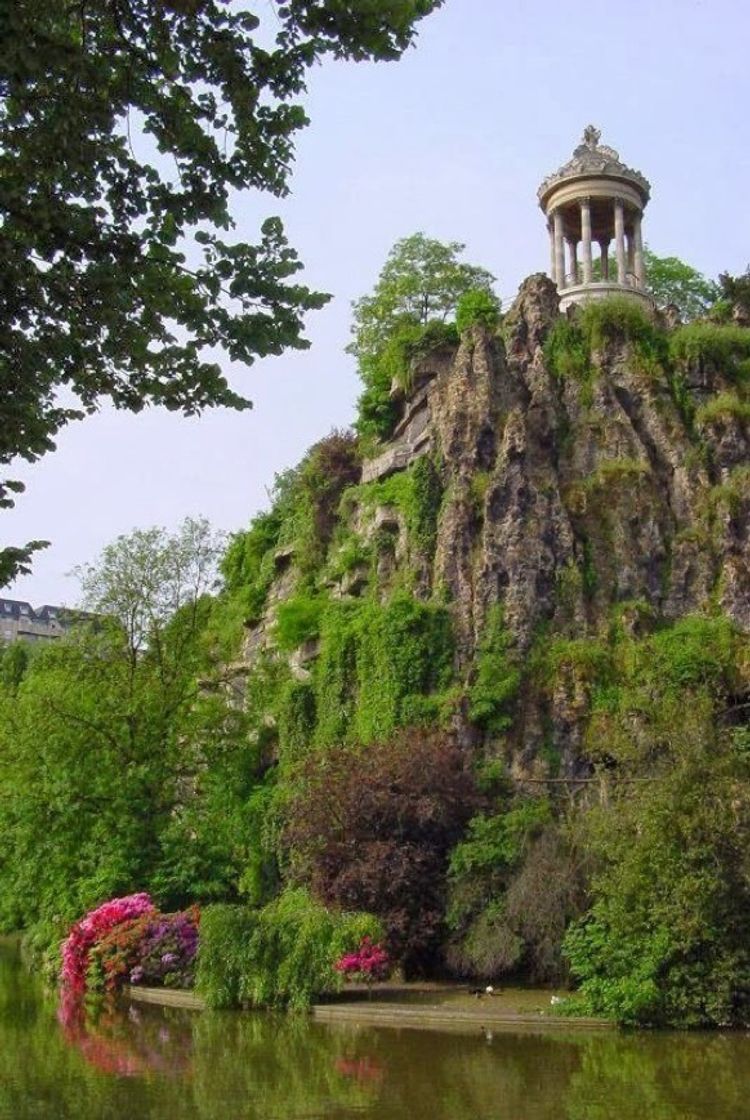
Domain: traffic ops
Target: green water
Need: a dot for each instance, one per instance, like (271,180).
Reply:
(149,1063)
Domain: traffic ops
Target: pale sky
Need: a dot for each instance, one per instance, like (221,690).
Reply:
(452,140)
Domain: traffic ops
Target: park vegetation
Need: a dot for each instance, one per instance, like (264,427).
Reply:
(230,729)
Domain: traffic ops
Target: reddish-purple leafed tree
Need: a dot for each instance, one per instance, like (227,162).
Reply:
(371,828)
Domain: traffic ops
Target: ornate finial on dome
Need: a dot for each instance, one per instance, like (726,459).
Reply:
(591,136)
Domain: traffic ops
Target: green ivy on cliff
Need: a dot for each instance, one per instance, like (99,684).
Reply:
(498,677)
(377,664)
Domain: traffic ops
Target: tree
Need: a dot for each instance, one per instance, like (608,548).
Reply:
(665,941)
(671,280)
(419,287)
(124,127)
(371,830)
(117,771)
(736,290)
(142,580)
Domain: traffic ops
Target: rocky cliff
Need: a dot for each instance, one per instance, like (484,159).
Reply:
(563,476)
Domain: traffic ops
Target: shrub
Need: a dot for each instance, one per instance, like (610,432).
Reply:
(722,407)
(156,949)
(282,955)
(298,620)
(617,318)
(515,882)
(570,346)
(370,829)
(665,941)
(368,962)
(725,348)
(477,306)
(91,929)
(411,341)
(566,352)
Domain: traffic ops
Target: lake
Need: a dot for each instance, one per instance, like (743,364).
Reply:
(148,1062)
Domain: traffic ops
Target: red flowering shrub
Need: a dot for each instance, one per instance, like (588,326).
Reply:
(369,962)
(113,957)
(97,923)
(129,941)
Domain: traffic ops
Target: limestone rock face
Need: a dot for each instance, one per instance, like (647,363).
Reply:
(561,507)
(561,502)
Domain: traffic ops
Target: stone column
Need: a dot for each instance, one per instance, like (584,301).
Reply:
(640,267)
(604,250)
(620,240)
(586,240)
(573,258)
(631,258)
(552,264)
(559,249)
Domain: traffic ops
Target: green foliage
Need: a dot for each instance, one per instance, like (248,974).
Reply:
(297,718)
(724,348)
(665,940)
(566,353)
(670,280)
(410,341)
(302,519)
(514,885)
(416,493)
(242,565)
(618,318)
(477,306)
(375,660)
(99,296)
(586,659)
(416,294)
(298,620)
(348,553)
(496,843)
(693,652)
(735,290)
(279,956)
(498,677)
(572,345)
(423,509)
(117,773)
(14,661)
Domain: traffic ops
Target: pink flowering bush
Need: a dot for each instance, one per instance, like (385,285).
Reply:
(370,962)
(91,929)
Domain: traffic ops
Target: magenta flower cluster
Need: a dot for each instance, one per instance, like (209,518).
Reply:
(91,929)
(369,962)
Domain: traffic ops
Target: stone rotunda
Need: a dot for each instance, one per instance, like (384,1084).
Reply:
(594,199)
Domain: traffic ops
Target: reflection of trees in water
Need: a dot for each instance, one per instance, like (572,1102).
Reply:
(280,1066)
(661,1077)
(152,1063)
(127,1043)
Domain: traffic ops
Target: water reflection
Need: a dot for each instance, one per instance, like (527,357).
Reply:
(124,1042)
(158,1063)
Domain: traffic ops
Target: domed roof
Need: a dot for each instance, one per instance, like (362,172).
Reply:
(592,159)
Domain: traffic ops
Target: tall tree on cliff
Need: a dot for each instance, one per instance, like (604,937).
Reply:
(124,127)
